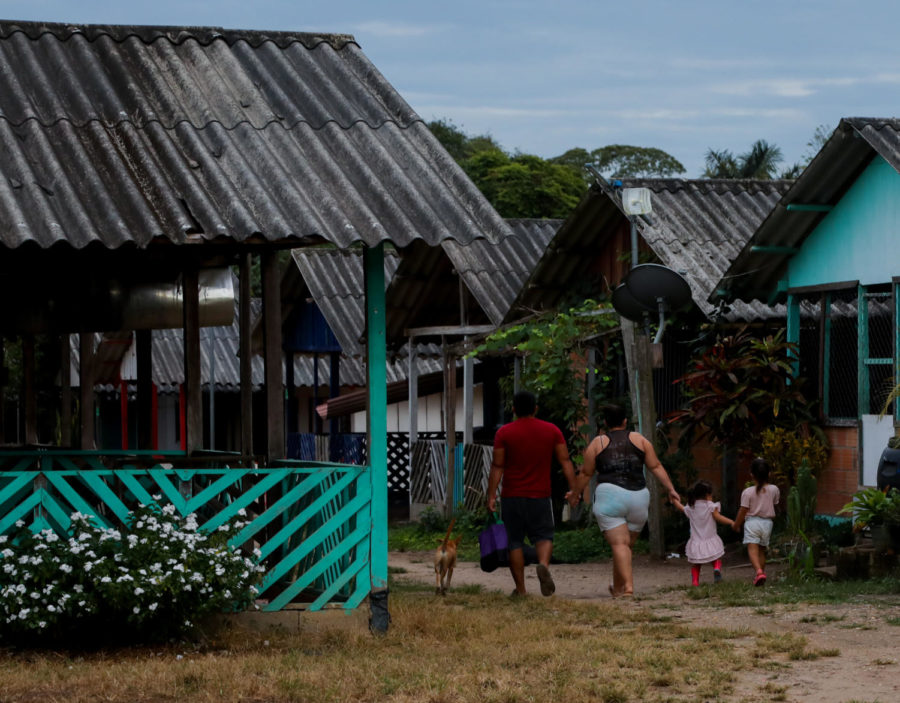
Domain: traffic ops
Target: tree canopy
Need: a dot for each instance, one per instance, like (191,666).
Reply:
(760,161)
(624,161)
(525,185)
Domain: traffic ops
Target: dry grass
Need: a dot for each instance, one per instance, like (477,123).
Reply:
(469,646)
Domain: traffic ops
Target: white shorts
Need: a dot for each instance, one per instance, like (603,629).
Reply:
(757,530)
(614,506)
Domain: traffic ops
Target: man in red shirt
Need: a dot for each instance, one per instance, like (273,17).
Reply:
(523,456)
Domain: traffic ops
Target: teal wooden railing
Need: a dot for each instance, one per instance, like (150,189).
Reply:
(311,521)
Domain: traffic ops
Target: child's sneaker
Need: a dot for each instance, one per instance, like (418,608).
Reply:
(760,579)
(717,575)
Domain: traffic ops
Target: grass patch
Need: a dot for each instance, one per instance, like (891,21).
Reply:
(787,592)
(469,645)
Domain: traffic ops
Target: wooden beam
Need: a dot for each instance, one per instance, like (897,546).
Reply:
(144,353)
(65,391)
(449,330)
(246,357)
(86,389)
(762,249)
(193,431)
(272,356)
(450,425)
(30,398)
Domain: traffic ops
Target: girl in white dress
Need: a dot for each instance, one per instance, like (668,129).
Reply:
(705,546)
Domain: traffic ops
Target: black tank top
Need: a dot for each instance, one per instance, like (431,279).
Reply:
(621,463)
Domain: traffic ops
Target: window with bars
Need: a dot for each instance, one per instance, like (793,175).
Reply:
(847,340)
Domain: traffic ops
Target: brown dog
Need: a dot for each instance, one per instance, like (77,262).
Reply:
(444,561)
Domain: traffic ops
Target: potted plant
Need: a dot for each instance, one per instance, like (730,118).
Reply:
(878,510)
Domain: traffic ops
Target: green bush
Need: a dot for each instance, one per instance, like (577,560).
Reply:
(149,583)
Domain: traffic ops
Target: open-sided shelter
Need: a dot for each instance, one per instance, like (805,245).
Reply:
(132,160)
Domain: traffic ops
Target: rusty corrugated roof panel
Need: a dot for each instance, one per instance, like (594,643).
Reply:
(697,227)
(494,273)
(128,135)
(754,273)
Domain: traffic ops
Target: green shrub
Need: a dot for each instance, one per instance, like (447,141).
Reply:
(149,583)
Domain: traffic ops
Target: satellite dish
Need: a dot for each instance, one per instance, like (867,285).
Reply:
(652,284)
(651,288)
(627,305)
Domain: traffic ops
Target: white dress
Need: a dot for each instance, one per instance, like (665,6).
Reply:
(705,545)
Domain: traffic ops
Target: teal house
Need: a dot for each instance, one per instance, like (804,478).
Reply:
(830,250)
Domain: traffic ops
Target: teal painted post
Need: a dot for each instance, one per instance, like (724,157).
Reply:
(862,351)
(793,329)
(896,348)
(826,360)
(376,415)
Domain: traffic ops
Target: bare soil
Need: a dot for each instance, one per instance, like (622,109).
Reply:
(867,668)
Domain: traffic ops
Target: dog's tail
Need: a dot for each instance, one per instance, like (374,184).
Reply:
(447,536)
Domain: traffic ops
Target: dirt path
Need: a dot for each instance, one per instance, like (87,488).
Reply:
(867,669)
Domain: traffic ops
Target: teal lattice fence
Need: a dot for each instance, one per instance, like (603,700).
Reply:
(311,521)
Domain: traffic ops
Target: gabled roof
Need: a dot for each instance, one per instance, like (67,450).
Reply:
(756,271)
(120,136)
(494,273)
(696,227)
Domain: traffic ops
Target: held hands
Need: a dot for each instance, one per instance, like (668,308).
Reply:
(673,496)
(573,498)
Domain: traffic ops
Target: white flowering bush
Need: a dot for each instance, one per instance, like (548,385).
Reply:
(150,582)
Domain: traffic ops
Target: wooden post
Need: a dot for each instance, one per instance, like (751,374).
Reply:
(28,393)
(272,356)
(245,359)
(413,386)
(450,415)
(86,389)
(193,431)
(65,399)
(123,412)
(334,390)
(3,376)
(639,358)
(376,411)
(143,340)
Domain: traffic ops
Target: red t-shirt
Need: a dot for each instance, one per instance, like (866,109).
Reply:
(530,446)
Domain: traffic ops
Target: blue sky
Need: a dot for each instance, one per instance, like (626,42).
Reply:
(542,77)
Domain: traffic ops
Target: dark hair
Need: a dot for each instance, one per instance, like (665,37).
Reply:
(699,491)
(759,470)
(524,404)
(613,415)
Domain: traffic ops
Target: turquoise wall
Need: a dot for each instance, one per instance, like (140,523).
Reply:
(859,239)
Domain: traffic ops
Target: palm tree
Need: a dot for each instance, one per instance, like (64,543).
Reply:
(759,162)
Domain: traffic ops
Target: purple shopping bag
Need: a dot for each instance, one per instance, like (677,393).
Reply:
(494,546)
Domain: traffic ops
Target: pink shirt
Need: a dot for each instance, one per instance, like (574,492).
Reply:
(760,504)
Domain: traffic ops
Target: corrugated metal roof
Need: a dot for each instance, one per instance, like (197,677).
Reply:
(697,227)
(495,273)
(754,275)
(125,135)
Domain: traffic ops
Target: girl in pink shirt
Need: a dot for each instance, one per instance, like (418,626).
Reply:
(705,546)
(756,516)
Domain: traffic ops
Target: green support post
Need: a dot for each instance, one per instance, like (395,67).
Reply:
(896,348)
(826,364)
(377,412)
(862,351)
(793,329)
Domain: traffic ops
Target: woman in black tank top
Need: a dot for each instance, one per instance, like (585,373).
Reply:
(621,499)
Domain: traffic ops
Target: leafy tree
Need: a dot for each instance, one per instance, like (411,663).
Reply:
(550,347)
(458,144)
(760,161)
(623,161)
(525,185)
